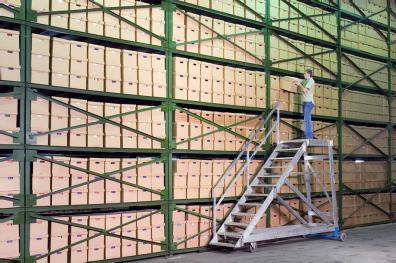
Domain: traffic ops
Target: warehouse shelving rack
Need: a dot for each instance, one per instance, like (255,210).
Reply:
(24,212)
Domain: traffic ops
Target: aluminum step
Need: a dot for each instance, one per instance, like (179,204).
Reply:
(257,195)
(270,176)
(243,214)
(250,204)
(282,158)
(223,244)
(237,224)
(287,149)
(230,234)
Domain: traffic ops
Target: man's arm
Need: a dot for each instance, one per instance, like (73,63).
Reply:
(299,85)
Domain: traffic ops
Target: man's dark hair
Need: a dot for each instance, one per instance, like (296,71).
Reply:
(309,71)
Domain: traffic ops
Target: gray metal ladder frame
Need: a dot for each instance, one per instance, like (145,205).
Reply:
(329,224)
(249,157)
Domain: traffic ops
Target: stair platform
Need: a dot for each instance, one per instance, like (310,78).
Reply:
(310,142)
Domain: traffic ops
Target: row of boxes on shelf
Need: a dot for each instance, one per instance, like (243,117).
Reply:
(10,181)
(234,8)
(205,35)
(50,116)
(364,175)
(8,118)
(126,24)
(363,37)
(65,63)
(195,178)
(368,7)
(280,10)
(48,177)
(360,105)
(393,109)
(378,136)
(10,66)
(293,129)
(356,211)
(46,236)
(352,143)
(283,49)
(373,70)
(374,106)
(208,82)
(187,126)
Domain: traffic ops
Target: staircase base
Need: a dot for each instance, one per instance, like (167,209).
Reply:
(287,231)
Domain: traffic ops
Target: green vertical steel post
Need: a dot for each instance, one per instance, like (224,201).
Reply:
(390,97)
(169,45)
(24,248)
(340,122)
(267,66)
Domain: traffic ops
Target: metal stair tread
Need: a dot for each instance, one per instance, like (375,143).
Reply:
(256,194)
(230,234)
(223,244)
(251,204)
(243,214)
(282,158)
(237,224)
(287,149)
(270,175)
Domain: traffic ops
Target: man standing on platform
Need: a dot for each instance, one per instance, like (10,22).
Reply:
(307,86)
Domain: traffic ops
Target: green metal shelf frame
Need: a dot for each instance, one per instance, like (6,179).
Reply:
(26,26)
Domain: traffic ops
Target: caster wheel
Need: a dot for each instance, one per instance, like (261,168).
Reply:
(343,236)
(252,247)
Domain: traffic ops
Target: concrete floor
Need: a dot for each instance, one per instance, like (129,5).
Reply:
(374,244)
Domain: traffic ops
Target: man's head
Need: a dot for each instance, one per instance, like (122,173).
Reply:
(308,73)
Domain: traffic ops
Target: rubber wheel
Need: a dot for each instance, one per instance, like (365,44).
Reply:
(343,236)
(252,247)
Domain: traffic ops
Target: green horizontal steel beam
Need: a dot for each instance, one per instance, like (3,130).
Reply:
(97,95)
(93,207)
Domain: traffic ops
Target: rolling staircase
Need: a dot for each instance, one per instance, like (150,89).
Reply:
(263,190)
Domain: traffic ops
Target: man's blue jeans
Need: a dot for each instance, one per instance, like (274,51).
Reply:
(308,133)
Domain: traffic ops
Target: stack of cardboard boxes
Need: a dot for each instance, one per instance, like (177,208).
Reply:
(9,244)
(205,35)
(234,8)
(207,82)
(10,181)
(149,228)
(49,177)
(8,118)
(367,175)
(115,23)
(194,134)
(195,178)
(367,143)
(85,66)
(49,121)
(356,211)
(9,55)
